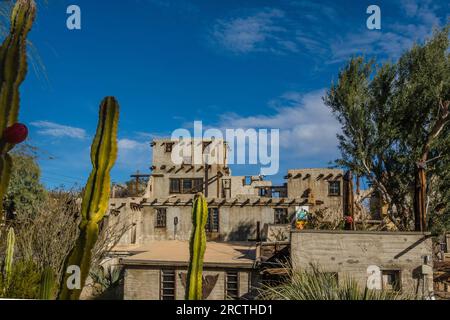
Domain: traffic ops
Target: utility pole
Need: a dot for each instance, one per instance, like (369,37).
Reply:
(138,177)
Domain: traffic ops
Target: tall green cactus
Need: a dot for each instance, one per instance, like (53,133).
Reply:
(10,244)
(13,68)
(96,195)
(47,286)
(197,248)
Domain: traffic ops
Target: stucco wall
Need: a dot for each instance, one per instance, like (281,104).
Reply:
(235,223)
(351,253)
(317,182)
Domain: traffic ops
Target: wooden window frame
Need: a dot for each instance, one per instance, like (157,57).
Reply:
(237,274)
(196,185)
(275,216)
(157,219)
(210,224)
(331,192)
(161,284)
(171,191)
(168,147)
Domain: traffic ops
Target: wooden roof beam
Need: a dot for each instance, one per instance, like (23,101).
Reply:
(190,169)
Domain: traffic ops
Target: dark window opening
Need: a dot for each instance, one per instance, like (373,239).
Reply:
(263,192)
(167,285)
(161,217)
(334,188)
(175,186)
(212,224)
(186,186)
(232,285)
(391,280)
(281,216)
(169,146)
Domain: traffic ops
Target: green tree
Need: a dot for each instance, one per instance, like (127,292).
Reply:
(25,193)
(394,116)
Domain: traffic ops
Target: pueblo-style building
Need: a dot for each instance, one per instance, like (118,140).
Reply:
(249,217)
(238,205)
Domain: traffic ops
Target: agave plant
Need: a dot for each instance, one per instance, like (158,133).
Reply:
(314,284)
(106,278)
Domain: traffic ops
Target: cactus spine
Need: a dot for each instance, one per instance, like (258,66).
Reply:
(47,285)
(13,68)
(10,243)
(197,247)
(96,195)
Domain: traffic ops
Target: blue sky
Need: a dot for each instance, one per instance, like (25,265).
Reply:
(260,64)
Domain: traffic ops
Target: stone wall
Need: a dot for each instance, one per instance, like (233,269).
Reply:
(144,283)
(354,253)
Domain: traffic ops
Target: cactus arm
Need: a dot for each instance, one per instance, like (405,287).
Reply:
(197,249)
(47,284)
(13,68)
(13,64)
(10,243)
(96,195)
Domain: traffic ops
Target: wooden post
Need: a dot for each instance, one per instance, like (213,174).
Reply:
(258,231)
(206,179)
(420,197)
(138,177)
(349,199)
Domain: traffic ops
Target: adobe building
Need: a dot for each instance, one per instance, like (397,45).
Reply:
(238,205)
(249,217)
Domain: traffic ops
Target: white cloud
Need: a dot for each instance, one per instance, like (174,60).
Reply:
(58,130)
(261,31)
(307,127)
(322,34)
(133,154)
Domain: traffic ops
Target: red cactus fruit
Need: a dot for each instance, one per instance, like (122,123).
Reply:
(16,133)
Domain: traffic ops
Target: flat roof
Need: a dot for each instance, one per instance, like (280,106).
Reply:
(176,253)
(413,233)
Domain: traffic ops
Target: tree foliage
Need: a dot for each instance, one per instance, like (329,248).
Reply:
(393,116)
(25,193)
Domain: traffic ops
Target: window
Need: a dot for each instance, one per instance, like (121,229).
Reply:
(169,146)
(175,186)
(198,185)
(212,224)
(232,285)
(161,217)
(263,192)
(167,285)
(334,188)
(281,216)
(186,186)
(391,280)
